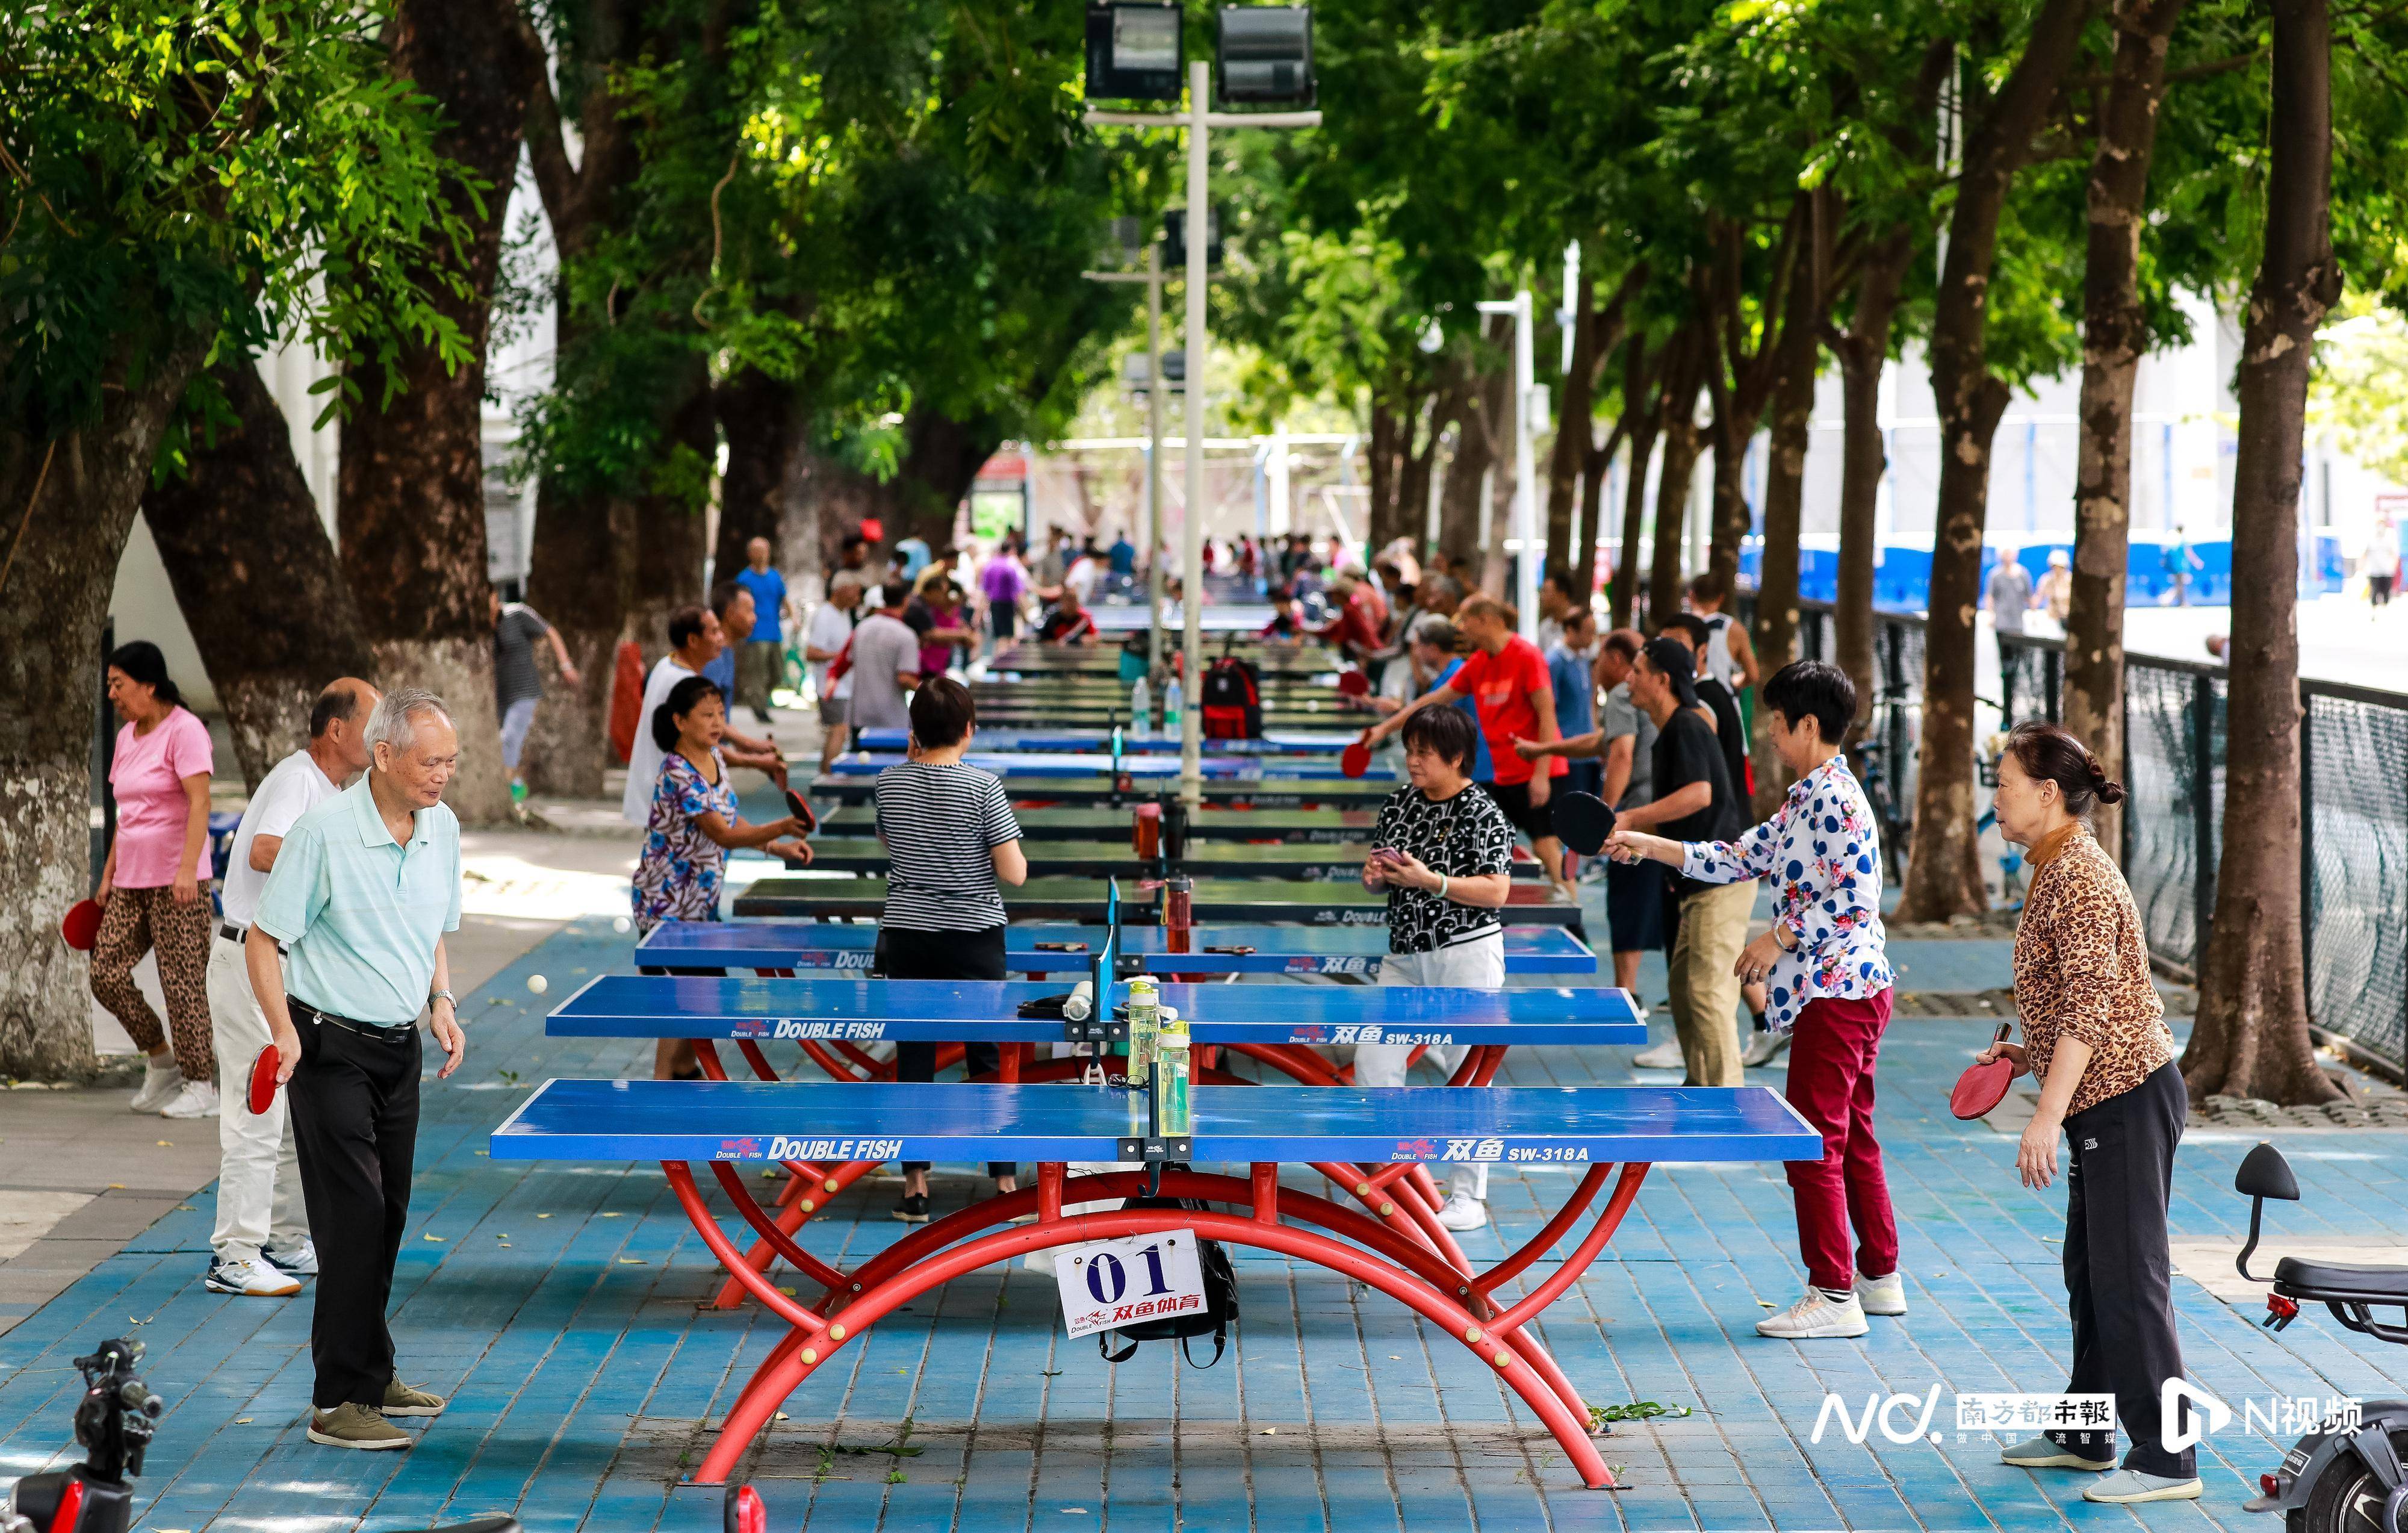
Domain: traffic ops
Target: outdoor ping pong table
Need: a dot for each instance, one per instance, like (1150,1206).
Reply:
(1599,1129)
(1276,743)
(1140,767)
(1327,902)
(1103,787)
(1031,658)
(1321,827)
(1025,711)
(787,946)
(1096,859)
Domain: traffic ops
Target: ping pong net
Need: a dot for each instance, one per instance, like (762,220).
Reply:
(1103,968)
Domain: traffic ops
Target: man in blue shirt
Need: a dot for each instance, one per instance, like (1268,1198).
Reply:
(1572,670)
(365,886)
(760,655)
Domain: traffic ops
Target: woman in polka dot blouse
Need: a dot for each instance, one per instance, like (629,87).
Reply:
(1830,979)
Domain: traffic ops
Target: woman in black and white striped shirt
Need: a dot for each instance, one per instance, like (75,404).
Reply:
(952,842)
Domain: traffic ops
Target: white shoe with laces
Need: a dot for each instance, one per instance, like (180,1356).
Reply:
(197,1099)
(159,1083)
(1815,1316)
(1764,1048)
(1462,1212)
(251,1279)
(301,1260)
(1662,1056)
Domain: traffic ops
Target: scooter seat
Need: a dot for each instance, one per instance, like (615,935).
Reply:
(2301,1277)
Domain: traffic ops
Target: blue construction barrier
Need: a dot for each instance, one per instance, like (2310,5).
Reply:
(1902,572)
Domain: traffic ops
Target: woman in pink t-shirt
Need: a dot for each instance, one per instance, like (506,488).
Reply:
(150,890)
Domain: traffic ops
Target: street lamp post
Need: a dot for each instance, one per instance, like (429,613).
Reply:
(1200,120)
(1526,427)
(1152,277)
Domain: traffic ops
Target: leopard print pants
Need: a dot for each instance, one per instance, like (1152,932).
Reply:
(140,921)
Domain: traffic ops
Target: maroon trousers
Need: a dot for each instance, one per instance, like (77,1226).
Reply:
(1832,1052)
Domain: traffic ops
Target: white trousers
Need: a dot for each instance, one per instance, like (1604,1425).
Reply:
(1476,964)
(259,1180)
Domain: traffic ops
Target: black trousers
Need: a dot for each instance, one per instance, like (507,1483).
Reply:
(2118,1273)
(354,1101)
(942,955)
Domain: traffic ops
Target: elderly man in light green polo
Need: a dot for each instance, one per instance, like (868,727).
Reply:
(364,886)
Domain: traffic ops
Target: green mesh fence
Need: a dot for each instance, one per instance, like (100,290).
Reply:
(2354,825)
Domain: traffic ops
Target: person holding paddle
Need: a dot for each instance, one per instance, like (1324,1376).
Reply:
(2094,1034)
(1830,981)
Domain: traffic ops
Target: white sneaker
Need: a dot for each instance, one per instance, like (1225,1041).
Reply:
(251,1279)
(1764,1048)
(301,1260)
(1662,1057)
(197,1099)
(1882,1296)
(1463,1212)
(159,1083)
(1816,1315)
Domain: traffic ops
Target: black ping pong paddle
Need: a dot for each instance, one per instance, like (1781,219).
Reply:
(1584,820)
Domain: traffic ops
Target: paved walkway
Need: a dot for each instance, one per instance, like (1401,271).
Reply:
(557,1308)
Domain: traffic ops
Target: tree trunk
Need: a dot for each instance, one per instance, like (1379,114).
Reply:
(669,527)
(1642,383)
(412,502)
(256,576)
(1384,455)
(1683,442)
(1460,513)
(1863,350)
(581,578)
(1595,463)
(65,508)
(1414,480)
(2251,1038)
(2115,336)
(761,421)
(1575,432)
(1785,495)
(1943,876)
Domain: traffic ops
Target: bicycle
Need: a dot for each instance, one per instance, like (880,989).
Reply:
(1873,776)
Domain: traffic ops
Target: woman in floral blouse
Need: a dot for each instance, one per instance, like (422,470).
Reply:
(1828,979)
(2094,1034)
(690,828)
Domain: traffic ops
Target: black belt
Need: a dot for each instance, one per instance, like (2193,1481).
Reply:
(303,1012)
(231,932)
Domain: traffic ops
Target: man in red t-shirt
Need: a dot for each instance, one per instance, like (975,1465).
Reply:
(1506,678)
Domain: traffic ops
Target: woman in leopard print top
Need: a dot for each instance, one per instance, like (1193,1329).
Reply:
(2094,1034)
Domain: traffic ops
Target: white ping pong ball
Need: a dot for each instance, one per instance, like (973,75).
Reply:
(623,924)
(538,983)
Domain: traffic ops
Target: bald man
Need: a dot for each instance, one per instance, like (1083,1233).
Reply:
(261,1246)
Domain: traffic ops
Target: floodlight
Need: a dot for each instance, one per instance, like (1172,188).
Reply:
(1133,50)
(1266,54)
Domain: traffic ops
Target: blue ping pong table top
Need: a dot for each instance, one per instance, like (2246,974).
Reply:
(1100,763)
(987,1010)
(1276,743)
(1514,1125)
(1278,950)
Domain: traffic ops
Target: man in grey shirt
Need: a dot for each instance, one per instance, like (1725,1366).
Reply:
(885,664)
(1625,737)
(2010,589)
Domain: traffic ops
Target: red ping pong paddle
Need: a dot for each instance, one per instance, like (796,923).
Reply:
(263,1080)
(81,927)
(1355,760)
(1353,683)
(1984,1087)
(801,809)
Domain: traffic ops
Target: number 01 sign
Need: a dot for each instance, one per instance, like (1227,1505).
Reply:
(1107,1285)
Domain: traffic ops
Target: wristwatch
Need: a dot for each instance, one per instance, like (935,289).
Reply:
(443,995)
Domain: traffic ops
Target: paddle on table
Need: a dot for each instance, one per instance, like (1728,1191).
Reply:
(1984,1087)
(263,1080)
(81,927)
(1584,820)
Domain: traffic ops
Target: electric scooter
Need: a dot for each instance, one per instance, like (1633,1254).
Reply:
(2342,1478)
(114,1422)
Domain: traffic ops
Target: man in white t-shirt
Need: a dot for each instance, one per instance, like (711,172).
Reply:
(261,1246)
(885,664)
(696,640)
(831,625)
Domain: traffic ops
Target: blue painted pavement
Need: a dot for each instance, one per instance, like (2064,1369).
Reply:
(557,1304)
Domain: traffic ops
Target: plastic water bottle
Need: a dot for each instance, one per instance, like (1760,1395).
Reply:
(1172,1116)
(1140,705)
(1145,1026)
(1174,704)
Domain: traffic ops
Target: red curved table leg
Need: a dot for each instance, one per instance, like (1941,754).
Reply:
(810,1191)
(771,1232)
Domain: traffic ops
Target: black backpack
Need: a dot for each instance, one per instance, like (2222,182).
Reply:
(1233,701)
(1220,1300)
